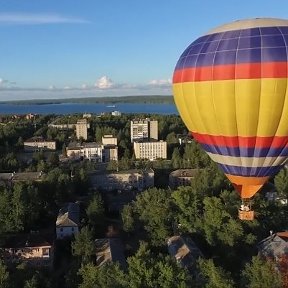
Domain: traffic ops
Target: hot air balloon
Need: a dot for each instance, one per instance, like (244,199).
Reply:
(230,87)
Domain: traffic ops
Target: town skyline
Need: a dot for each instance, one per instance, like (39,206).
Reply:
(68,49)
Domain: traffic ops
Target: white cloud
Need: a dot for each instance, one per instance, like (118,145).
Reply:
(161,82)
(104,83)
(37,19)
(4,83)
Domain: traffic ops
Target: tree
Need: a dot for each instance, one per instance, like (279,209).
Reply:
(83,245)
(147,269)
(53,160)
(18,207)
(6,218)
(32,283)
(189,207)
(128,219)
(176,158)
(154,209)
(218,225)
(281,182)
(4,276)
(171,138)
(107,276)
(260,273)
(95,209)
(211,276)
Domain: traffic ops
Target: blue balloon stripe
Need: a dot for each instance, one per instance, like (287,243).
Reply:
(250,171)
(246,151)
(240,46)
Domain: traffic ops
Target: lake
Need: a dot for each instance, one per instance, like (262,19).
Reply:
(97,108)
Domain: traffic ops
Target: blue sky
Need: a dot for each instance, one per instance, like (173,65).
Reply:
(90,48)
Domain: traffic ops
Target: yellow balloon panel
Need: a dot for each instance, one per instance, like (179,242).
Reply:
(242,107)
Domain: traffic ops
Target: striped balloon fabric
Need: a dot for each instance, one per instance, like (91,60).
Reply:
(230,87)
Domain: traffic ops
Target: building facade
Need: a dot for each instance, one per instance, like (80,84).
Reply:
(150,150)
(91,151)
(68,221)
(143,129)
(125,180)
(109,153)
(33,249)
(82,129)
(38,143)
(182,177)
(109,140)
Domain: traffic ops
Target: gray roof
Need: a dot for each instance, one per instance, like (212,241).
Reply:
(109,250)
(185,173)
(21,176)
(184,250)
(69,215)
(275,245)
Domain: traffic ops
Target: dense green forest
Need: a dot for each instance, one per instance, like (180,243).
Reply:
(206,211)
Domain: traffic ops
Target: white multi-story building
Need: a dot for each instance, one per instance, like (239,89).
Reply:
(91,151)
(143,129)
(38,143)
(150,150)
(81,129)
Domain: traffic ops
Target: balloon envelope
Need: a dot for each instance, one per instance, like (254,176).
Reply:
(230,88)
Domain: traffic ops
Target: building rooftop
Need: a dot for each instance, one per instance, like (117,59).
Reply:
(275,245)
(22,176)
(184,250)
(131,171)
(184,173)
(69,215)
(109,250)
(27,240)
(38,139)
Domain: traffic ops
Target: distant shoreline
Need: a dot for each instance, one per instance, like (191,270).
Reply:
(151,99)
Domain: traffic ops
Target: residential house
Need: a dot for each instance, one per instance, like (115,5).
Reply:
(184,250)
(34,249)
(68,221)
(109,250)
(274,246)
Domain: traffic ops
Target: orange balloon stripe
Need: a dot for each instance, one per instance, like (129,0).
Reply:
(230,72)
(247,186)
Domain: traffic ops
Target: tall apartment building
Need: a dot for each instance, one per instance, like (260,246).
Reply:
(144,129)
(81,129)
(150,150)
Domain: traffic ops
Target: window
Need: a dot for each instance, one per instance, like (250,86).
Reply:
(45,252)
